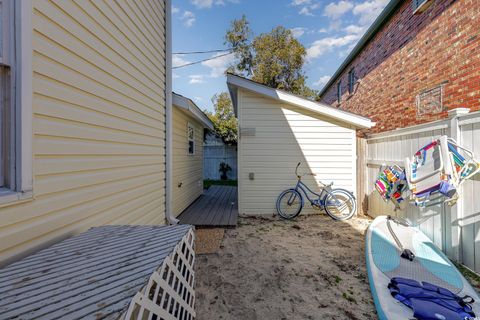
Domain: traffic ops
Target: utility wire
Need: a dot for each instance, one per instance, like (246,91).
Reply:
(200,52)
(200,61)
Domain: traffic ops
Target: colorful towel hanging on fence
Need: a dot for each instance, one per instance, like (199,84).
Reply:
(433,175)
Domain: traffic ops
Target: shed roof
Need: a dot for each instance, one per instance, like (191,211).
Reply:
(91,276)
(190,107)
(234,82)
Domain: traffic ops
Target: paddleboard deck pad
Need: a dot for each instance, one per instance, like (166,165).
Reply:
(430,265)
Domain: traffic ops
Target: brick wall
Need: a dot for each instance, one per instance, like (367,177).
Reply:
(411,54)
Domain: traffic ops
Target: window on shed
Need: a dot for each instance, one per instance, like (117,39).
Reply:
(339,91)
(7,106)
(191,139)
(351,81)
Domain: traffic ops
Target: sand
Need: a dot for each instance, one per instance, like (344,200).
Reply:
(311,268)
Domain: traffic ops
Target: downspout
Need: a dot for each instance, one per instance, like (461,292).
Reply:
(168,115)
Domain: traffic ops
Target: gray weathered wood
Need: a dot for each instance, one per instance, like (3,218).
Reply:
(93,275)
(217,207)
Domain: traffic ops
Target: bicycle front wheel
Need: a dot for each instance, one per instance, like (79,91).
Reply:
(340,204)
(289,204)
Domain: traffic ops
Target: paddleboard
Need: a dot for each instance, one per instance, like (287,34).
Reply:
(430,265)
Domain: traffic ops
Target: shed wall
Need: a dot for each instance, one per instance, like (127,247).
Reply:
(285,135)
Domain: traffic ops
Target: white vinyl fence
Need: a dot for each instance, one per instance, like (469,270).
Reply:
(216,154)
(453,229)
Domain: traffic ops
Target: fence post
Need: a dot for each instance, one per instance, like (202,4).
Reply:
(453,215)
(362,199)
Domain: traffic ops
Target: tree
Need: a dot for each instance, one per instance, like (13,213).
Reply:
(223,117)
(275,59)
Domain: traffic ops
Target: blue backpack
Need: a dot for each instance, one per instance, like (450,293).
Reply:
(431,302)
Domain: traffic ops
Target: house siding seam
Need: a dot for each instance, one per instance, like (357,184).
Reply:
(411,54)
(187,169)
(98,122)
(284,136)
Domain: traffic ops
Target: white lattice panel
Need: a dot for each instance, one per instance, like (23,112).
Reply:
(169,294)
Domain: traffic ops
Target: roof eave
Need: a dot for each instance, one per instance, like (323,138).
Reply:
(234,82)
(188,105)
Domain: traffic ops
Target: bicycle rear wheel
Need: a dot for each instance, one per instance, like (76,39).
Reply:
(340,204)
(289,204)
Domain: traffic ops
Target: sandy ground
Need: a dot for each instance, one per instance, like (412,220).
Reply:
(311,268)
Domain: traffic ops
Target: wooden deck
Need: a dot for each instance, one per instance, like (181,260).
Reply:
(217,207)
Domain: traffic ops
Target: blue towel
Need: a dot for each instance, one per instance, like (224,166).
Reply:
(430,302)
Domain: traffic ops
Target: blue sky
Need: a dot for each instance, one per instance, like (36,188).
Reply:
(328,30)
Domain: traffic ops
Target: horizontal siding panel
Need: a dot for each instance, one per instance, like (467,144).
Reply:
(99,122)
(45,165)
(54,35)
(69,129)
(187,169)
(52,203)
(61,109)
(284,136)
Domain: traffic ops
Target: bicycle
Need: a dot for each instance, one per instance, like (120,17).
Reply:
(338,203)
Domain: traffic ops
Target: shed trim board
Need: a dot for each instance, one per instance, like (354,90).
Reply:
(192,109)
(283,134)
(234,82)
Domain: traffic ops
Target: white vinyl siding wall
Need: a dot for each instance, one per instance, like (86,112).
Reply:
(187,168)
(98,123)
(284,136)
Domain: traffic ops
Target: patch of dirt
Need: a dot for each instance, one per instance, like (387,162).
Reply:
(208,240)
(310,268)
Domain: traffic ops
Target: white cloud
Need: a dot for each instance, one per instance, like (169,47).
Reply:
(322,81)
(336,10)
(305,11)
(298,31)
(307,6)
(175,9)
(188,18)
(177,60)
(322,46)
(322,30)
(198,99)
(220,64)
(204,4)
(355,29)
(196,79)
(175,76)
(369,10)
(300,2)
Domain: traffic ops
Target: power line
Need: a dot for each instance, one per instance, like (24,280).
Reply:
(200,61)
(200,52)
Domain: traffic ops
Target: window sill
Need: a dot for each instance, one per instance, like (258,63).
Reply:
(8,197)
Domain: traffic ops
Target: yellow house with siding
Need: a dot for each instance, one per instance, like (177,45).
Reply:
(189,123)
(86,109)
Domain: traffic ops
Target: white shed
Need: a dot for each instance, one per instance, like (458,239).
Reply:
(189,123)
(277,130)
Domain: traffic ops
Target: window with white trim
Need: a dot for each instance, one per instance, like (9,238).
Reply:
(16,177)
(191,138)
(7,98)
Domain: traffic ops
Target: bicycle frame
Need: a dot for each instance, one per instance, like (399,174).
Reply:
(304,188)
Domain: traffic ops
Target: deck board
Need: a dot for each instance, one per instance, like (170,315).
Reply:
(94,274)
(217,207)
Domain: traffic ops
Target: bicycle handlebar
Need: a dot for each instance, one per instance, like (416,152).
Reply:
(296,171)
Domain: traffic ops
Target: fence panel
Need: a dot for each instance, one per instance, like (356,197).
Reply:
(453,229)
(470,202)
(393,150)
(213,156)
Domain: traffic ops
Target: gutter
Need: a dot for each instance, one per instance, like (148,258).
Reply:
(168,116)
(381,20)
